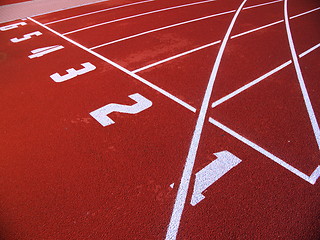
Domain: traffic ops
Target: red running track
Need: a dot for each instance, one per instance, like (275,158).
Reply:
(66,176)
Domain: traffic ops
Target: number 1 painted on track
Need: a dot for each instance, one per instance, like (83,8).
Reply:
(208,175)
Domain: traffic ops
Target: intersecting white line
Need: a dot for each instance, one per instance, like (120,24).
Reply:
(311,179)
(214,43)
(176,56)
(162,28)
(188,168)
(259,79)
(245,87)
(301,14)
(262,4)
(135,16)
(309,50)
(256,29)
(313,119)
(99,11)
(171,26)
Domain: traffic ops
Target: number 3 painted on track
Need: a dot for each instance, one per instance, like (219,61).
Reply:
(87,67)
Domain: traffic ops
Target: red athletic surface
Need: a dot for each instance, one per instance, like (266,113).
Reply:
(64,176)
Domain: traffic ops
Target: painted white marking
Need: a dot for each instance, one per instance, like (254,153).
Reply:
(39,52)
(162,28)
(256,29)
(187,171)
(101,114)
(314,175)
(205,46)
(172,185)
(135,16)
(245,87)
(12,26)
(211,173)
(262,4)
(304,13)
(176,56)
(151,85)
(309,50)
(72,73)
(313,119)
(99,11)
(25,37)
(312,179)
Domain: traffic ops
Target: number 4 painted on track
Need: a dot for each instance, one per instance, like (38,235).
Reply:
(39,52)
(101,114)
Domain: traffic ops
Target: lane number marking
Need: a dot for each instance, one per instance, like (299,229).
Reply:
(72,73)
(212,172)
(12,26)
(101,114)
(26,37)
(45,50)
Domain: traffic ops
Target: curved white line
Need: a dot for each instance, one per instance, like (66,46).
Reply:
(187,171)
(313,119)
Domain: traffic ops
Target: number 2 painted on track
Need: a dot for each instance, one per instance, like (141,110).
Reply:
(71,73)
(101,113)
(26,37)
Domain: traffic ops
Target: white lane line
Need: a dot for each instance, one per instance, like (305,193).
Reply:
(262,4)
(162,28)
(259,79)
(309,50)
(135,16)
(153,86)
(176,56)
(187,171)
(201,47)
(304,13)
(209,45)
(245,87)
(313,119)
(59,10)
(99,11)
(312,179)
(256,29)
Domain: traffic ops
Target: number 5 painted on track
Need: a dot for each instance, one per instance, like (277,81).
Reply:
(87,67)
(101,114)
(12,26)
(25,37)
